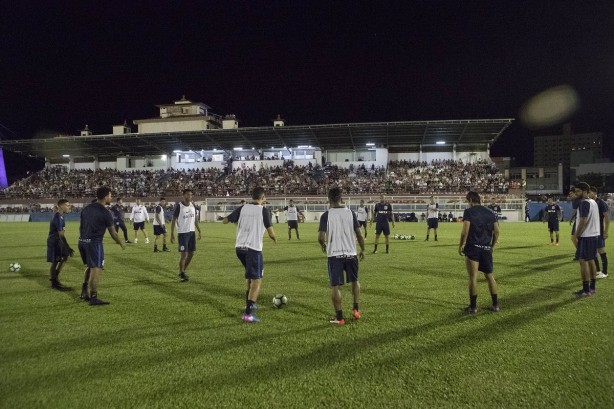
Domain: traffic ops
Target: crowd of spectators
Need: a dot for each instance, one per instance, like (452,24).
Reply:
(446,177)
(401,177)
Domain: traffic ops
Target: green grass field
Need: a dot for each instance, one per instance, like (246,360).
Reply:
(162,343)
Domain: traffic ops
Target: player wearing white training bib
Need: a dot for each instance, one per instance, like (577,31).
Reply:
(159,225)
(292,214)
(139,216)
(361,214)
(337,236)
(252,221)
(586,239)
(185,217)
(432,218)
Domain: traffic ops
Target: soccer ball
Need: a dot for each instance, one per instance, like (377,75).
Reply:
(280,300)
(14,267)
(396,236)
(412,237)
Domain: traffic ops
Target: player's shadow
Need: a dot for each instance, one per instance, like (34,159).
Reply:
(201,298)
(538,265)
(347,348)
(294,261)
(42,279)
(504,247)
(113,336)
(538,295)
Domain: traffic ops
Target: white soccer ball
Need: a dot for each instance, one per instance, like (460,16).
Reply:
(396,236)
(14,267)
(412,237)
(280,300)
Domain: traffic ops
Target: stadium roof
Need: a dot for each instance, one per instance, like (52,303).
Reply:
(467,135)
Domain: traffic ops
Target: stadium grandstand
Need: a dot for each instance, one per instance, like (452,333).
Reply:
(189,146)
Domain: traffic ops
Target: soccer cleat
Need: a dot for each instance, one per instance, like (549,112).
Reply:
(427,239)
(146,241)
(84,296)
(356,314)
(556,244)
(165,248)
(128,242)
(601,275)
(136,241)
(97,301)
(56,285)
(250,318)
(374,251)
(156,250)
(581,293)
(592,291)
(183,277)
(494,308)
(337,322)
(435,239)
(470,310)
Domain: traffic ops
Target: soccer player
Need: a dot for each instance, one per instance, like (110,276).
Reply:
(382,214)
(552,214)
(252,220)
(585,239)
(118,218)
(604,226)
(186,220)
(575,203)
(276,214)
(478,237)
(432,218)
(58,249)
(293,213)
(495,208)
(338,226)
(159,225)
(361,215)
(139,216)
(95,219)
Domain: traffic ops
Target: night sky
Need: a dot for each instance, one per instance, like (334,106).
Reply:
(101,62)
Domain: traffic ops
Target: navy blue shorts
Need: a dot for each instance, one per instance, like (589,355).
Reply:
(336,267)
(362,223)
(139,226)
(553,225)
(433,223)
(158,230)
(92,254)
(252,261)
(482,255)
(600,242)
(382,227)
(187,241)
(293,224)
(587,248)
(54,253)
(119,224)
